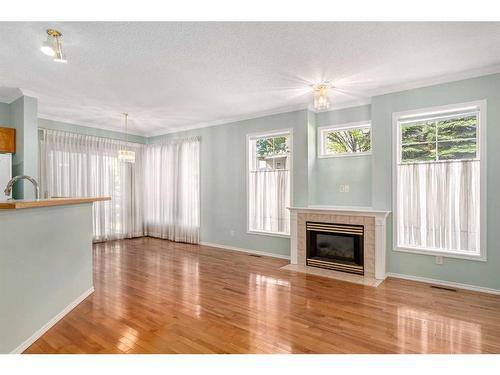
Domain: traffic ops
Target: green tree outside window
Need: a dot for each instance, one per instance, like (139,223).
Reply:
(348,141)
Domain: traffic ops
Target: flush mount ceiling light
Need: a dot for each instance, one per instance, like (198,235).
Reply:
(321,101)
(53,46)
(125,155)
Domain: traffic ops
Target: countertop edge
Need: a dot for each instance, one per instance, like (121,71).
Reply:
(22,204)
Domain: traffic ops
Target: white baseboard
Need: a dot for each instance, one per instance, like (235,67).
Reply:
(449,284)
(21,348)
(248,251)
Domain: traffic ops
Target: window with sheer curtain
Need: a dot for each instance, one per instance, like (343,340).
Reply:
(269,168)
(158,195)
(171,190)
(439,187)
(75,165)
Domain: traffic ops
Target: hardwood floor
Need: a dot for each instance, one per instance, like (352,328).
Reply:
(155,296)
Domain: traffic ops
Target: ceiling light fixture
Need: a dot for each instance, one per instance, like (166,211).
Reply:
(125,155)
(53,46)
(321,101)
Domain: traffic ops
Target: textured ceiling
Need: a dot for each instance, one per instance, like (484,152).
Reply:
(176,75)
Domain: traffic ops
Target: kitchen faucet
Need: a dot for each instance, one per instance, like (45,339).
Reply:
(13,180)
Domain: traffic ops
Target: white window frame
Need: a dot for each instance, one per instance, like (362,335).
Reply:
(481,145)
(347,126)
(273,133)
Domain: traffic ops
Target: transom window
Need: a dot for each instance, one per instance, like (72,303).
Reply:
(439,175)
(269,182)
(346,140)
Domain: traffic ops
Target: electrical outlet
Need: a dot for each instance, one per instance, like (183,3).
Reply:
(344,188)
(439,260)
(232,232)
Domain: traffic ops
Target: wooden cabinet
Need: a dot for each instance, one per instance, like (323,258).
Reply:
(8,140)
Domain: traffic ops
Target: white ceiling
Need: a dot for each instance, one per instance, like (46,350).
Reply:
(171,76)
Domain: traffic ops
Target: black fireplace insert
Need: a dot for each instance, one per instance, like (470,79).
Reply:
(335,246)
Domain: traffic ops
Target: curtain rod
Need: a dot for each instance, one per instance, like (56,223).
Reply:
(91,135)
(163,141)
(158,142)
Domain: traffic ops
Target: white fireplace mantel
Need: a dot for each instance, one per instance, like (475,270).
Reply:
(380,230)
(343,210)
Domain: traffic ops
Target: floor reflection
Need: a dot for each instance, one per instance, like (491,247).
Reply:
(155,296)
(428,332)
(271,302)
(128,339)
(262,280)
(190,285)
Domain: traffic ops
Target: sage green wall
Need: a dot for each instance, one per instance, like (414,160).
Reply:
(311,155)
(45,265)
(223,179)
(484,274)
(25,161)
(21,115)
(4,115)
(330,173)
(58,125)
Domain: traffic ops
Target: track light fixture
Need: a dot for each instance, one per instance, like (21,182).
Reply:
(52,46)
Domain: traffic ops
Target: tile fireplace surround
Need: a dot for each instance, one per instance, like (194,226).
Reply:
(374,222)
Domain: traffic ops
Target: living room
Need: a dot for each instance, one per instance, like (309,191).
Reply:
(188,187)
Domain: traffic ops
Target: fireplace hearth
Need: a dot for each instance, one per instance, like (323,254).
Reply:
(371,248)
(335,246)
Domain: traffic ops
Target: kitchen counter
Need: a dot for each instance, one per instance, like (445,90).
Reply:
(45,264)
(21,203)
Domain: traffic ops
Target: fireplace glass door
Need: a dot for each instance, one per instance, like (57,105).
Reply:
(335,246)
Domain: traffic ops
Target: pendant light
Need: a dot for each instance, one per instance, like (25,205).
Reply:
(321,101)
(52,46)
(125,155)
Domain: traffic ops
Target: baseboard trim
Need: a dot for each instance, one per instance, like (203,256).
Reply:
(248,251)
(451,284)
(26,344)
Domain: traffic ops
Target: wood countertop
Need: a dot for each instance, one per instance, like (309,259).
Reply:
(21,203)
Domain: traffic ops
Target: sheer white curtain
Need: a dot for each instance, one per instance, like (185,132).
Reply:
(172,190)
(438,205)
(158,195)
(85,166)
(269,197)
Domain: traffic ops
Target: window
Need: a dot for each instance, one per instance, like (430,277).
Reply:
(156,196)
(172,189)
(77,165)
(347,140)
(439,175)
(269,182)
(451,138)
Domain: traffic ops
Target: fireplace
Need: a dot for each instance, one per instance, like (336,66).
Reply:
(335,246)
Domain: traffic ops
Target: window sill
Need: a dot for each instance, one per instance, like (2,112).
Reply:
(272,234)
(347,155)
(444,254)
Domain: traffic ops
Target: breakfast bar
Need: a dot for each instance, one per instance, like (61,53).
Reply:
(45,265)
